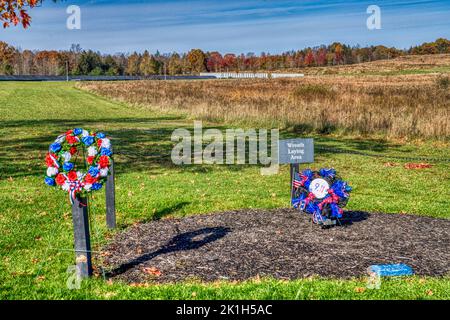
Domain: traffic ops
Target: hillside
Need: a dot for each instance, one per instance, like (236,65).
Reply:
(408,64)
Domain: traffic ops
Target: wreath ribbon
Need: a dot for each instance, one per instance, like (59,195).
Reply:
(75,187)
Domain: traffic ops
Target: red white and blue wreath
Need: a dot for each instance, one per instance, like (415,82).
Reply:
(62,171)
(320,193)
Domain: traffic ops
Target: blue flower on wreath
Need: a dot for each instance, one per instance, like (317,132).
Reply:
(308,173)
(55,147)
(67,166)
(313,208)
(100,135)
(88,140)
(328,173)
(105,152)
(336,212)
(77,131)
(93,171)
(96,186)
(49,181)
(341,189)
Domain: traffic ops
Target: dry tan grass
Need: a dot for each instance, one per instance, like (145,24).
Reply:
(401,65)
(393,106)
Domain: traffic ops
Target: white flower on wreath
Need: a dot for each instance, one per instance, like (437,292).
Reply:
(92,151)
(88,187)
(79,175)
(106,143)
(60,139)
(52,171)
(104,172)
(67,156)
(85,133)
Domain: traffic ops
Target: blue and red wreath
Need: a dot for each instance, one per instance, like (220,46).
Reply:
(320,193)
(61,168)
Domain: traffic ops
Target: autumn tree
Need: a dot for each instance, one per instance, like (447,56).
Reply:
(443,45)
(148,64)
(309,58)
(6,58)
(337,49)
(133,64)
(214,62)
(27,58)
(229,61)
(197,60)
(321,57)
(15,12)
(175,65)
(46,62)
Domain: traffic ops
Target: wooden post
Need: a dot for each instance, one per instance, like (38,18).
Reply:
(294,167)
(82,237)
(110,199)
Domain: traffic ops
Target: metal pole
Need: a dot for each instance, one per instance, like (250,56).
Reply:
(67,71)
(82,237)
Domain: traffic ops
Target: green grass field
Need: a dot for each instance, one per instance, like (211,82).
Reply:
(35,220)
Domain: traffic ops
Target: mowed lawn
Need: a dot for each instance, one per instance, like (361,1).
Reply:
(36,236)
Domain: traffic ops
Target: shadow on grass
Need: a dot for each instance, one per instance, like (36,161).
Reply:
(182,242)
(66,124)
(166,211)
(140,144)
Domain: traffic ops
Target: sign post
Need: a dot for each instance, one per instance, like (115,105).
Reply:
(294,152)
(82,237)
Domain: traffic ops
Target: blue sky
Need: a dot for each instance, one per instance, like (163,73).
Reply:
(243,26)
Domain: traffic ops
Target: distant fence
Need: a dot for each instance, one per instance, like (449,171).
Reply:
(249,75)
(203,75)
(100,78)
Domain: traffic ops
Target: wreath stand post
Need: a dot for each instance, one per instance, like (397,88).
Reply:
(62,173)
(111,199)
(82,237)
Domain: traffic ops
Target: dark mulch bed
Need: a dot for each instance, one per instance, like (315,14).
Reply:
(281,243)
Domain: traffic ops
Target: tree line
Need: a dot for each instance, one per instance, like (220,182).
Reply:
(76,61)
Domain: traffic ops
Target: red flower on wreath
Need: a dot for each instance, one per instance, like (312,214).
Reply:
(99,143)
(104,161)
(49,160)
(90,179)
(71,139)
(90,159)
(72,175)
(73,150)
(69,132)
(60,179)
